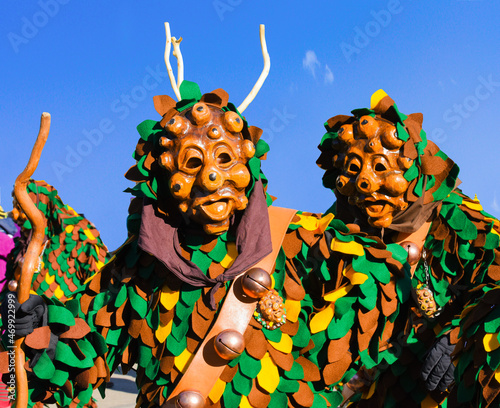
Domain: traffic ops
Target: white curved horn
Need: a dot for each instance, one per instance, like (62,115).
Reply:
(265,71)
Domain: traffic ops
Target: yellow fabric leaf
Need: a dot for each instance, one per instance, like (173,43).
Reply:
(182,361)
(377,97)
(231,255)
(474,206)
(50,278)
(90,278)
(268,377)
(321,320)
(497,375)
(88,234)
(292,309)
(356,278)
(350,248)
(162,332)
(284,345)
(307,222)
(168,297)
(74,212)
(370,392)
(490,342)
(244,403)
(69,229)
(217,391)
(311,223)
(58,293)
(325,222)
(428,402)
(338,293)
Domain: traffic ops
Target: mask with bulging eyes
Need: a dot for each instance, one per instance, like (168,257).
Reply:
(206,156)
(372,169)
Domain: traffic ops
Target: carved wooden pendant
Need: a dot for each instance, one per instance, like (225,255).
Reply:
(426,301)
(270,310)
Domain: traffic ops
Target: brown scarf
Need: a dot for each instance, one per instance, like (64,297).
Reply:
(160,237)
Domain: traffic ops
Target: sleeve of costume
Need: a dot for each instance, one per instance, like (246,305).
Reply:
(88,335)
(478,327)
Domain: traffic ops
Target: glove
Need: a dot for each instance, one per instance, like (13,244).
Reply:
(437,370)
(29,315)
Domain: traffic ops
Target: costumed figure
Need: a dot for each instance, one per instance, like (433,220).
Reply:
(212,295)
(72,249)
(397,187)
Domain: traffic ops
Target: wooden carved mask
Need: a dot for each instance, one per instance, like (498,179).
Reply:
(372,169)
(206,156)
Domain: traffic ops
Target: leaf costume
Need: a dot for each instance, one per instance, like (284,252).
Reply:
(459,266)
(73,249)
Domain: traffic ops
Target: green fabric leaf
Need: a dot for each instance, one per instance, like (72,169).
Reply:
(295,373)
(288,386)
(65,354)
(261,148)
(402,133)
(230,397)
(272,335)
(139,304)
(176,347)
(60,315)
(249,366)
(190,90)
(279,400)
(219,251)
(411,173)
(44,368)
(363,112)
(242,384)
(145,129)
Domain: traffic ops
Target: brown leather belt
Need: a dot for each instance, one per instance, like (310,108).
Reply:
(206,366)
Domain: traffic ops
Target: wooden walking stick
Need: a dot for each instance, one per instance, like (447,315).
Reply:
(32,253)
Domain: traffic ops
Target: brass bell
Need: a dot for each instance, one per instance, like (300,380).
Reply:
(190,399)
(229,344)
(413,250)
(12,285)
(256,283)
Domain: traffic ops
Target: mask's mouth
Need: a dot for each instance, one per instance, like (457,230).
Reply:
(377,209)
(216,210)
(379,212)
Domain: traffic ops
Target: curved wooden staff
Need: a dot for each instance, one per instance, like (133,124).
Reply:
(32,253)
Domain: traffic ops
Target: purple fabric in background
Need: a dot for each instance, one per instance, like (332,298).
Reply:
(8,231)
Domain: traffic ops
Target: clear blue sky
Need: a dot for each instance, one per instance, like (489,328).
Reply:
(90,64)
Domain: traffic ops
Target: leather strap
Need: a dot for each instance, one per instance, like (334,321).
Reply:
(206,366)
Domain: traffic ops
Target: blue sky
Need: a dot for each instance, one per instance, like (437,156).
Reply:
(95,66)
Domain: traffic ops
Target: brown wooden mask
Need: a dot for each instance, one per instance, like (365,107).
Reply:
(372,169)
(206,155)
